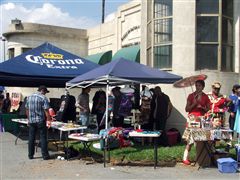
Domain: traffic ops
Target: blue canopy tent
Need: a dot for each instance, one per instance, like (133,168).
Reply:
(2,88)
(45,64)
(121,71)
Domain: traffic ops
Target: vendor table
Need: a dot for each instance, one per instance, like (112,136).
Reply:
(8,124)
(65,127)
(62,127)
(23,124)
(86,139)
(148,134)
(205,140)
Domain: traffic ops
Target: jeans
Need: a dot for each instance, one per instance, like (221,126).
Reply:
(33,128)
(84,119)
(1,123)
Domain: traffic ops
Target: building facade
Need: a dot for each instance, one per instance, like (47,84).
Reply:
(185,37)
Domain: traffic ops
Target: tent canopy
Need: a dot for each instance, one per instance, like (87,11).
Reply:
(45,64)
(123,71)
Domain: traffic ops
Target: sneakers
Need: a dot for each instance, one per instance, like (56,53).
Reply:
(46,157)
(186,162)
(30,157)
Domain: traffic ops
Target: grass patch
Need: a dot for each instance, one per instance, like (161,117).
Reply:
(142,153)
(146,153)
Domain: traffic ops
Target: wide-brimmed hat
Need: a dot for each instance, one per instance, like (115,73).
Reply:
(216,85)
(44,88)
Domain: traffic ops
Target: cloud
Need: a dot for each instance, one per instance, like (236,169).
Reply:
(47,14)
(110,17)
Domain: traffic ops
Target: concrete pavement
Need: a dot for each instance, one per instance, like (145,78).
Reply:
(16,165)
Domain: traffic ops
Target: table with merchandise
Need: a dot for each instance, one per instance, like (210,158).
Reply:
(205,140)
(60,126)
(148,134)
(86,139)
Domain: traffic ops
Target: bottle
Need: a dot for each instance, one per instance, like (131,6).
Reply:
(51,112)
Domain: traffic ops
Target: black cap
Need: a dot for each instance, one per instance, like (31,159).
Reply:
(236,86)
(44,88)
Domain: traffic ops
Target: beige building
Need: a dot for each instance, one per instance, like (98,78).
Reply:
(185,37)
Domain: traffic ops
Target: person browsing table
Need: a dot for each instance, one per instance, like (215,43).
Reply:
(83,104)
(37,106)
(197,105)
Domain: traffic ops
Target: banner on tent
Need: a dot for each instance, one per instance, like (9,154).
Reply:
(15,100)
(55,61)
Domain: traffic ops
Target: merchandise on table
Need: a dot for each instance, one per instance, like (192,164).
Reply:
(193,121)
(85,135)
(144,133)
(208,121)
(57,124)
(198,134)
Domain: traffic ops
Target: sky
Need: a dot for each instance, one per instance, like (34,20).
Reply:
(69,13)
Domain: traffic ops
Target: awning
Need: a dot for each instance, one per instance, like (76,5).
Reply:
(100,58)
(131,53)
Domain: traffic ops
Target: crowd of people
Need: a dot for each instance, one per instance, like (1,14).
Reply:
(155,108)
(158,109)
(212,104)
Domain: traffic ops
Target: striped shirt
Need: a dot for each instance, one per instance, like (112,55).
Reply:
(36,104)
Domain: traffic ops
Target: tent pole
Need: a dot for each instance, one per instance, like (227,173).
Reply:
(106,118)
(105,138)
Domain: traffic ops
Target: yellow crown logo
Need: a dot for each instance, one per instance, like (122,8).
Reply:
(52,56)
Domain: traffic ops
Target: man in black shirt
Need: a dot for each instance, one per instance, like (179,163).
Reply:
(161,108)
(6,104)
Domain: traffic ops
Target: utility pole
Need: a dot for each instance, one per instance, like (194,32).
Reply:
(3,40)
(103,10)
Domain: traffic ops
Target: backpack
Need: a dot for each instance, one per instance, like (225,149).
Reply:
(179,137)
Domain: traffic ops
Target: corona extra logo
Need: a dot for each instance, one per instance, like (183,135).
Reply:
(54,61)
(52,56)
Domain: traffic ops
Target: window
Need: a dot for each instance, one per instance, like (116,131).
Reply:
(11,53)
(162,57)
(207,57)
(25,49)
(227,31)
(162,8)
(207,6)
(207,30)
(163,31)
(227,8)
(214,50)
